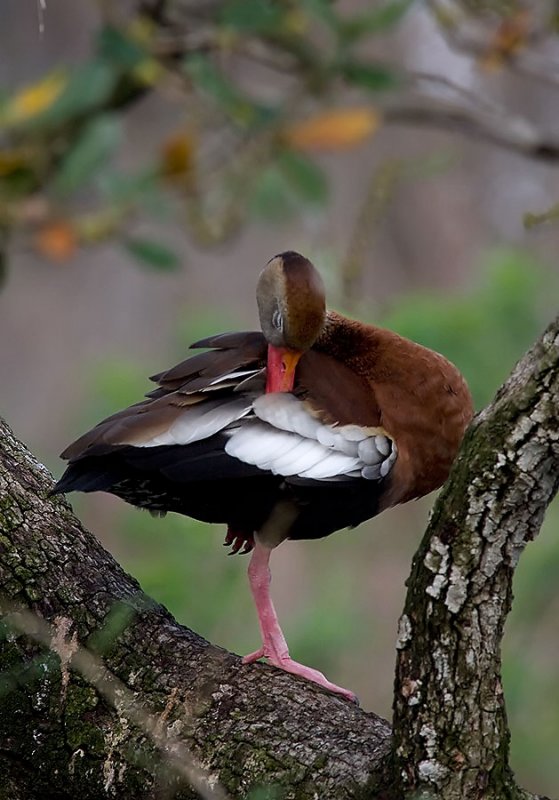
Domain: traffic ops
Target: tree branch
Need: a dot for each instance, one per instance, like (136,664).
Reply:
(476,35)
(427,106)
(251,726)
(247,726)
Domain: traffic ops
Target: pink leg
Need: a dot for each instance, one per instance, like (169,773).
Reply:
(274,646)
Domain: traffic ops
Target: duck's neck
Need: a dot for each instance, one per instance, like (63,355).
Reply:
(354,343)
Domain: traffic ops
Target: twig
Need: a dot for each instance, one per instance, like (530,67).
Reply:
(379,193)
(41,10)
(507,131)
(119,696)
(477,45)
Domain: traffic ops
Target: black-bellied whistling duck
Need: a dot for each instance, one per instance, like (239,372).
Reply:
(317,423)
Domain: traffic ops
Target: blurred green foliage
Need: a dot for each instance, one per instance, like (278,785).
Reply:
(287,185)
(233,150)
(152,254)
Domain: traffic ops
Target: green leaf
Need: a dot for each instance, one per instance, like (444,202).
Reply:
(115,46)
(153,254)
(305,177)
(531,219)
(88,87)
(205,75)
(290,184)
(272,197)
(323,11)
(19,183)
(98,140)
(121,188)
(370,76)
(375,21)
(252,16)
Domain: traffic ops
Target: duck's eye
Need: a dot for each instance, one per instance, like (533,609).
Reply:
(277,320)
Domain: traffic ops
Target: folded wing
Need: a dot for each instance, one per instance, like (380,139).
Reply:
(208,442)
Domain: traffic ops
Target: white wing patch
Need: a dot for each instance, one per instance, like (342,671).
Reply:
(199,422)
(288,454)
(287,440)
(283,438)
(232,377)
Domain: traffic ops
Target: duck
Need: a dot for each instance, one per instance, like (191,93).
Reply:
(311,425)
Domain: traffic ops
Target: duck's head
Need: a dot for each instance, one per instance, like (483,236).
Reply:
(292,308)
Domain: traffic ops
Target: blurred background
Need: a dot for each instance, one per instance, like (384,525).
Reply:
(147,177)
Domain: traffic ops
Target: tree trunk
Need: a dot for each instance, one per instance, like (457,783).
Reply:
(450,727)
(106,708)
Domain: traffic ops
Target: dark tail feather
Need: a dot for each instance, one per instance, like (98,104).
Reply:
(80,479)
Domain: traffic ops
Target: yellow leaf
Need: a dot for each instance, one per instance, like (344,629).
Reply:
(35,99)
(12,160)
(296,22)
(333,130)
(57,240)
(142,30)
(177,155)
(148,72)
(510,37)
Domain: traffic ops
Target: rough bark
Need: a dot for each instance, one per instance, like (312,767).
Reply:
(253,726)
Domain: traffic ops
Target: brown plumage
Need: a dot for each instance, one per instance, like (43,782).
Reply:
(420,399)
(315,424)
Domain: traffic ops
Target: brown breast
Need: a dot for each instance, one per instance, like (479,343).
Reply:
(415,394)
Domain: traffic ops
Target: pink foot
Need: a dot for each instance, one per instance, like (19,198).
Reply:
(252,657)
(274,647)
(289,665)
